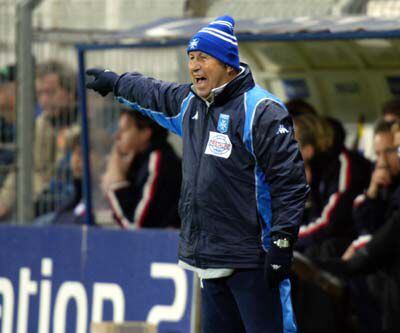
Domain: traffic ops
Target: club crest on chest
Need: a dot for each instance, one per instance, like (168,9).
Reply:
(223,123)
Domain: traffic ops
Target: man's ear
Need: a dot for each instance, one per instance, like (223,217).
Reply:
(230,70)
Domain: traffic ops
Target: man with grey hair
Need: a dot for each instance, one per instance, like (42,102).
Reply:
(243,184)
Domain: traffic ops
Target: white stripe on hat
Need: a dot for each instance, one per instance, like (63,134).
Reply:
(222,33)
(228,24)
(218,36)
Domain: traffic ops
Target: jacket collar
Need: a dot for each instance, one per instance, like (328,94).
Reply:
(238,86)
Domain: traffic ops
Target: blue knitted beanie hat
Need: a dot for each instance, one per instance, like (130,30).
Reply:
(218,40)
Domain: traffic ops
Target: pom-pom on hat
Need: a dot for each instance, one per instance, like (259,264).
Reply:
(218,40)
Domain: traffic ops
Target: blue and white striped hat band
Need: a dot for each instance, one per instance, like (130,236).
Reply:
(218,40)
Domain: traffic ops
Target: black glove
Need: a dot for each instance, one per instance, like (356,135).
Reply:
(104,80)
(278,260)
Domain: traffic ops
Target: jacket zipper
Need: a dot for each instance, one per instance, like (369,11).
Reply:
(195,207)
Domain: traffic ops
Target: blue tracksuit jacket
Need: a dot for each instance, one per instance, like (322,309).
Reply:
(242,174)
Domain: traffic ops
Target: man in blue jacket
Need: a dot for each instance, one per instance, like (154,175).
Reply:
(243,183)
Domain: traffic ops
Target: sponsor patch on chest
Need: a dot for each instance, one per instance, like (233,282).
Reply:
(219,145)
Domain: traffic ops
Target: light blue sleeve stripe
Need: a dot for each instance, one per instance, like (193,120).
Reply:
(173,124)
(264,206)
(263,198)
(252,98)
(289,321)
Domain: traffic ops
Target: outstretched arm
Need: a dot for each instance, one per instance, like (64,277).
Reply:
(164,102)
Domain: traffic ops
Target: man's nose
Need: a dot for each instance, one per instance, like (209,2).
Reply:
(381,162)
(194,66)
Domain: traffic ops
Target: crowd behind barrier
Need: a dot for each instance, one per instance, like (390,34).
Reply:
(350,225)
(352,209)
(132,162)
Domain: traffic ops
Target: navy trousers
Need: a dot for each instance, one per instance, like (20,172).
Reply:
(242,303)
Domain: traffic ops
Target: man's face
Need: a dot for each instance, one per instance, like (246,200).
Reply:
(129,138)
(207,72)
(52,97)
(386,153)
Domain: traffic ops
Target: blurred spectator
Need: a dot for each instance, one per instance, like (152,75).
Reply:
(7,112)
(336,177)
(7,103)
(55,87)
(73,210)
(143,175)
(56,94)
(380,252)
(383,194)
(314,138)
(363,141)
(391,110)
(7,127)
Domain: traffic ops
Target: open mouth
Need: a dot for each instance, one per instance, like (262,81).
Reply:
(200,80)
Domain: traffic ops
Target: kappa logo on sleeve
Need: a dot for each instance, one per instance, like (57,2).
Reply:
(196,116)
(219,145)
(282,130)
